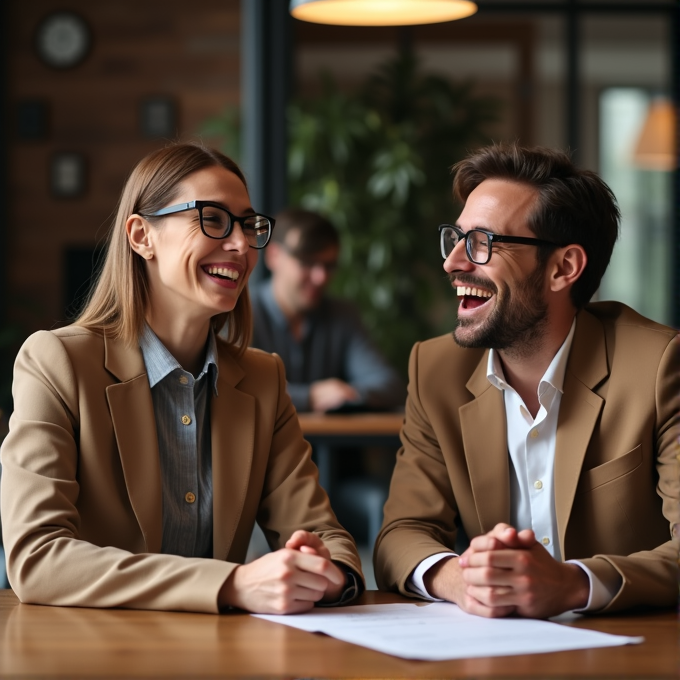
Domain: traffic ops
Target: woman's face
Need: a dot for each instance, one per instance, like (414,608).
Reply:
(184,262)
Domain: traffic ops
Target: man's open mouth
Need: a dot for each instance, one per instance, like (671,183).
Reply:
(472,296)
(222,273)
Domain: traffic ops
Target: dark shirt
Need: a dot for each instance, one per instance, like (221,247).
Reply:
(334,344)
(181,405)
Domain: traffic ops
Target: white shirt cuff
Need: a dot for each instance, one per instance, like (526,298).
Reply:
(601,593)
(415,581)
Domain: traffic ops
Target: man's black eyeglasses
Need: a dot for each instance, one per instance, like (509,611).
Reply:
(217,222)
(479,242)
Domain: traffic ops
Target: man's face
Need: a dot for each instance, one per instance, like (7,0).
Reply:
(300,282)
(502,303)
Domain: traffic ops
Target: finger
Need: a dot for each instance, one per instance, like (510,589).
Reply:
(494,597)
(297,607)
(510,560)
(308,549)
(486,542)
(310,581)
(309,543)
(300,538)
(507,535)
(527,537)
(488,576)
(472,605)
(321,566)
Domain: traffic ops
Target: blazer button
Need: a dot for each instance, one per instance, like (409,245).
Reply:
(186,420)
(189,497)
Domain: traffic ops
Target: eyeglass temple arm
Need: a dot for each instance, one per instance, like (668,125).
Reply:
(174,209)
(520,239)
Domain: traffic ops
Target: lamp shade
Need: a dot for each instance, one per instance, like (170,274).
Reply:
(656,147)
(381,12)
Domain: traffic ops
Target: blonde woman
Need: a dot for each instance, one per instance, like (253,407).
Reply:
(143,448)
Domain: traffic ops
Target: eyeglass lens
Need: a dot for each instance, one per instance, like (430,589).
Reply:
(217,223)
(477,244)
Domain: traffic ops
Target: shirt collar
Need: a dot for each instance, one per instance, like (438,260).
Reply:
(554,375)
(160,363)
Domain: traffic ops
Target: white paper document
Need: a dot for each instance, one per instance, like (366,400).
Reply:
(440,631)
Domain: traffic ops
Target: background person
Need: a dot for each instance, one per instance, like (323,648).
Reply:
(330,361)
(546,427)
(142,448)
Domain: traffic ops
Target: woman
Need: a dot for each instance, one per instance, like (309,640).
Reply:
(142,448)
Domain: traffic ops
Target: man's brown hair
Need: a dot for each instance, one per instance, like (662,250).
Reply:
(573,205)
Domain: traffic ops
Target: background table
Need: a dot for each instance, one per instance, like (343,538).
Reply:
(325,431)
(358,501)
(38,642)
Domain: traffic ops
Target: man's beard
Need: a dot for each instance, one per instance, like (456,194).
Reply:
(518,321)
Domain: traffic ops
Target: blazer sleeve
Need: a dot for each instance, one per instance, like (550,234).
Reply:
(650,577)
(292,497)
(420,513)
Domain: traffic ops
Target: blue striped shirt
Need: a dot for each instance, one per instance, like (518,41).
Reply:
(181,408)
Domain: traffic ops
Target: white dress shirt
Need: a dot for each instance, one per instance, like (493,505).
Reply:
(531,446)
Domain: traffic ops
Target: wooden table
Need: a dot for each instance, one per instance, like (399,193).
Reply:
(324,431)
(38,642)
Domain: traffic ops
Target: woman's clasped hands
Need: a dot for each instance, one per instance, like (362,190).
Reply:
(287,581)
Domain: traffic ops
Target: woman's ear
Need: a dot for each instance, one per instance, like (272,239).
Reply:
(568,266)
(137,229)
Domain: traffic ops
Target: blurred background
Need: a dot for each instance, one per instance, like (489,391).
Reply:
(360,123)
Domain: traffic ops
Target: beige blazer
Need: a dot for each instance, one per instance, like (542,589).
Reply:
(617,483)
(81,483)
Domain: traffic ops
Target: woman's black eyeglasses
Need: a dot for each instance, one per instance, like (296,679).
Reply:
(217,222)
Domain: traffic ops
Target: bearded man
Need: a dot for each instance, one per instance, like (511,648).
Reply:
(547,428)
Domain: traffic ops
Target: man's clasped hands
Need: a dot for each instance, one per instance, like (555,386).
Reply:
(507,572)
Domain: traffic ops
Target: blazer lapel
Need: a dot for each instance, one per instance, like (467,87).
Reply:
(232,425)
(134,425)
(580,409)
(483,428)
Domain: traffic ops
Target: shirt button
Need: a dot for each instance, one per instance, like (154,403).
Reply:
(184,380)
(534,434)
(190,498)
(545,540)
(186,420)
(538,484)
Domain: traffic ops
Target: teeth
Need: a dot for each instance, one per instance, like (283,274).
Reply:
(223,271)
(475,292)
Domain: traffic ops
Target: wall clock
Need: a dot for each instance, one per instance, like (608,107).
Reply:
(62,39)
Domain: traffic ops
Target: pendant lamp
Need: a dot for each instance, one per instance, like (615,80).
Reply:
(656,147)
(381,12)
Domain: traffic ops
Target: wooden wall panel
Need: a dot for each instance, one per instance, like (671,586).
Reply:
(188,51)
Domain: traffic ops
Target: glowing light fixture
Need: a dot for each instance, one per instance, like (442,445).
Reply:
(656,147)
(381,12)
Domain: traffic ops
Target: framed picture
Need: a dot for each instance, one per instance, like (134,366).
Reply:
(68,174)
(158,117)
(32,120)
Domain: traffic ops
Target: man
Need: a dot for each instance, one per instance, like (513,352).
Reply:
(548,431)
(330,361)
